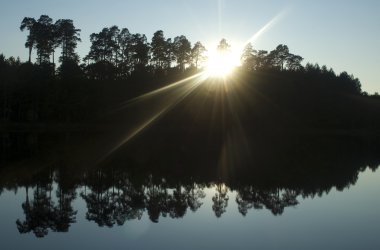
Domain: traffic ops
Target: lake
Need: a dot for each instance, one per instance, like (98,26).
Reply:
(67,191)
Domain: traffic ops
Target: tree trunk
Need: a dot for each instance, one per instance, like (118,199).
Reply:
(30,54)
(63,51)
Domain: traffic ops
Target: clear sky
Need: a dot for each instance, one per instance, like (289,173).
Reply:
(342,34)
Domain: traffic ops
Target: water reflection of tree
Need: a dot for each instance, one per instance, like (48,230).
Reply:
(129,201)
(273,199)
(177,202)
(220,199)
(115,195)
(64,213)
(41,213)
(157,198)
(162,200)
(100,201)
(194,194)
(112,198)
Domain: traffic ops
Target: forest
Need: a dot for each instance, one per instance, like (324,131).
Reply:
(274,87)
(274,131)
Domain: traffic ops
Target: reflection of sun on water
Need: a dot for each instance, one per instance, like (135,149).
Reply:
(221,63)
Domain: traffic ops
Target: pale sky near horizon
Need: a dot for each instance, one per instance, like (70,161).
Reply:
(342,34)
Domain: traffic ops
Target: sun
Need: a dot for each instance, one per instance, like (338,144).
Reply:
(221,63)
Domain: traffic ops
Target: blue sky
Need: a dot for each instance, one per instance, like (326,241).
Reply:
(342,34)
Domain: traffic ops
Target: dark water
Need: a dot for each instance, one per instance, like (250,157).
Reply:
(78,191)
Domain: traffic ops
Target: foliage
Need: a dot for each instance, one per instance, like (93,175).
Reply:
(197,54)
(122,65)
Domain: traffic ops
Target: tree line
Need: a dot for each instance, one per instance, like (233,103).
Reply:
(46,36)
(116,53)
(122,65)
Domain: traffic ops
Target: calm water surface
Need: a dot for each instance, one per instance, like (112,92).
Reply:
(322,198)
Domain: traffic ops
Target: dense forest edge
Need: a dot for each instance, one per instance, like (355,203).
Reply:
(272,87)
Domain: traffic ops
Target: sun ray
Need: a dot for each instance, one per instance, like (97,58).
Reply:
(184,88)
(158,91)
(266,27)
(220,17)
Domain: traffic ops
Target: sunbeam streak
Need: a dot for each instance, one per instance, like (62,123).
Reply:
(267,26)
(166,88)
(171,87)
(184,88)
(220,17)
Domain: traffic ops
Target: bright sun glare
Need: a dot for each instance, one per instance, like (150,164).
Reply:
(221,64)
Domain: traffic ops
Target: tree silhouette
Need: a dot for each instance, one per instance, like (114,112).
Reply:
(29,23)
(261,61)
(350,83)
(293,62)
(248,57)
(182,50)
(279,56)
(45,38)
(125,52)
(67,37)
(117,58)
(105,46)
(159,48)
(223,46)
(140,52)
(102,45)
(197,54)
